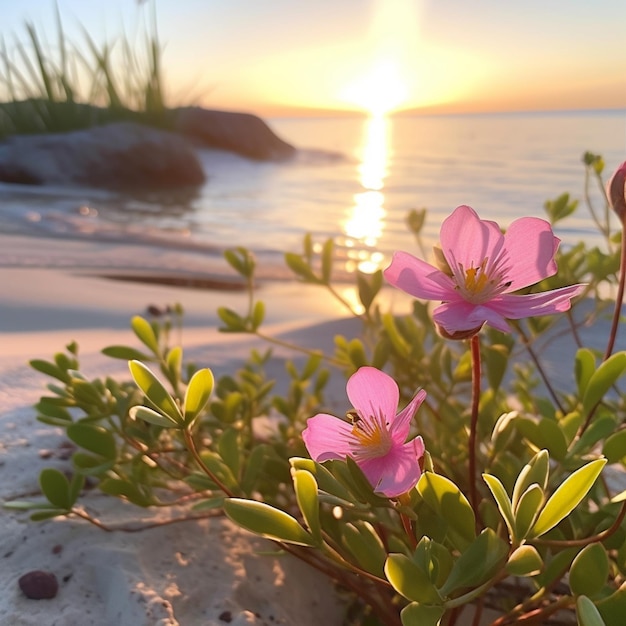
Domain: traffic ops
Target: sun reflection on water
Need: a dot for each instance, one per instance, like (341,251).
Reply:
(365,224)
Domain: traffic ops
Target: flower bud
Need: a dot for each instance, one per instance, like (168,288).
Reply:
(458,335)
(616,191)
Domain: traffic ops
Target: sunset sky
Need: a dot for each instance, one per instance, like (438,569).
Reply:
(279,56)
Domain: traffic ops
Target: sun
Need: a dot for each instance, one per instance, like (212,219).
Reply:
(378,91)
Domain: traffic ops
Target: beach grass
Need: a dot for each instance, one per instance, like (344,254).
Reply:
(70,85)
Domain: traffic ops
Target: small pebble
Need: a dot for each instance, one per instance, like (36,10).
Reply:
(39,585)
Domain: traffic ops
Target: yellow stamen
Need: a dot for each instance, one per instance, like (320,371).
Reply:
(373,437)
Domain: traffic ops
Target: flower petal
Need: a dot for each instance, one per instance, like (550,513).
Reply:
(530,246)
(468,240)
(373,393)
(327,437)
(461,316)
(401,425)
(398,471)
(418,278)
(515,307)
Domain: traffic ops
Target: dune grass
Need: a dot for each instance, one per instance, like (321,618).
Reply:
(69,85)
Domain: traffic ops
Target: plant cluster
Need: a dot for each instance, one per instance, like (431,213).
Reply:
(462,473)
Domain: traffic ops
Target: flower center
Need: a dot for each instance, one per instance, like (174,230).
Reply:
(476,279)
(372,436)
(480,283)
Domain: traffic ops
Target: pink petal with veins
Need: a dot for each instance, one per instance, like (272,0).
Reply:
(327,437)
(531,247)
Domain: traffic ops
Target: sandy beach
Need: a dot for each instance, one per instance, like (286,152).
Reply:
(192,573)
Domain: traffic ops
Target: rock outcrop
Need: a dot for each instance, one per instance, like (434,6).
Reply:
(121,155)
(242,133)
(122,149)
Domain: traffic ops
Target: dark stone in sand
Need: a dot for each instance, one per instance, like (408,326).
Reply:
(39,585)
(242,133)
(121,155)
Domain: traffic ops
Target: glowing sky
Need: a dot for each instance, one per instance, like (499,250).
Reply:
(267,56)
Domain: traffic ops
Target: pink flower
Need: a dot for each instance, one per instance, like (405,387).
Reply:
(377,437)
(483,268)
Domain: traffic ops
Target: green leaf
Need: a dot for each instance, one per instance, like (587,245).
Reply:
(324,478)
(445,498)
(524,561)
(306,495)
(613,608)
(91,465)
(587,613)
(327,260)
(44,515)
(53,414)
(544,433)
(267,521)
(615,447)
(415,614)
(485,555)
(589,570)
(356,353)
(567,496)
(527,510)
(50,369)
(535,471)
(197,394)
(409,580)
(364,544)
(55,486)
(602,379)
(258,314)
(560,208)
(600,428)
(76,484)
(155,392)
(434,559)
(368,286)
(145,333)
(503,502)
(125,489)
(126,353)
(241,260)
(234,322)
(230,450)
(152,417)
(300,267)
(174,361)
(94,438)
(584,367)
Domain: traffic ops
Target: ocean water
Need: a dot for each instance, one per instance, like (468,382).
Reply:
(353,179)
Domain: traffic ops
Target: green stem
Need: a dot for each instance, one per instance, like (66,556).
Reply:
(617,312)
(297,348)
(537,362)
(191,446)
(342,300)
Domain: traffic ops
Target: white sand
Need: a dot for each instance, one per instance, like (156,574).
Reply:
(192,573)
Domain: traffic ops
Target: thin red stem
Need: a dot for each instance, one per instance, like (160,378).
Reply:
(619,298)
(475,351)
